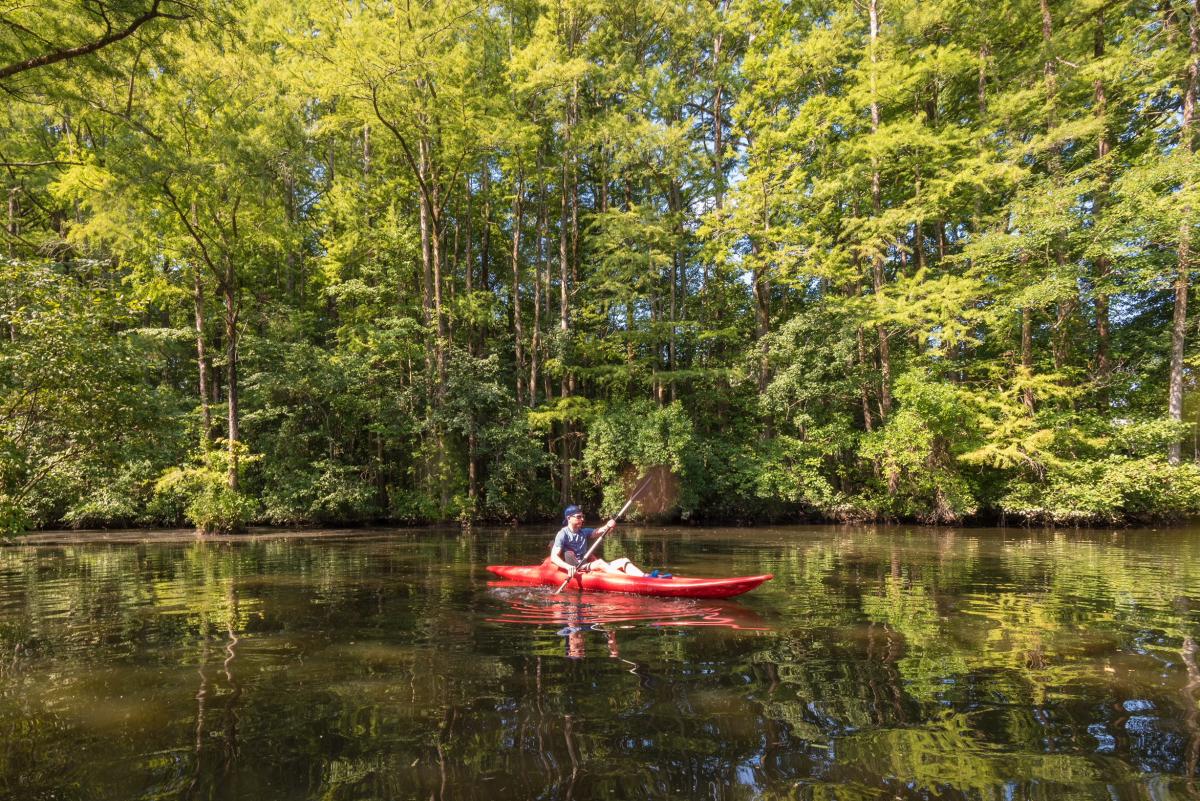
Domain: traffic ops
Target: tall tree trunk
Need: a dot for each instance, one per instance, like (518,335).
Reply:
(468,249)
(291,258)
(433,198)
(13,230)
(542,262)
(885,359)
(485,248)
(229,291)
(473,349)
(564,266)
(1064,313)
(518,333)
(564,320)
(601,167)
(1060,346)
(718,165)
(981,100)
(657,388)
(366,149)
(1178,329)
(1103,265)
(427,236)
(473,468)
(485,244)
(574,224)
(918,246)
(760,289)
(1187,141)
(672,311)
(201,359)
(425,224)
(864,390)
(760,286)
(1027,353)
(678,286)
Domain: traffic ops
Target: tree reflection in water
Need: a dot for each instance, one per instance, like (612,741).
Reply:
(880,662)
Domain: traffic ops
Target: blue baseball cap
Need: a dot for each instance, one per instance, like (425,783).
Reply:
(571,510)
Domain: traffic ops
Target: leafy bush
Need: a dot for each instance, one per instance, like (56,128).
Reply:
(1109,491)
(515,460)
(511,457)
(1148,437)
(626,440)
(798,471)
(118,501)
(726,476)
(325,492)
(90,413)
(13,517)
(916,454)
(201,494)
(411,507)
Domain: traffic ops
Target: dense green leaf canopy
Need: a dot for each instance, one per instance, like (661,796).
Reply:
(309,262)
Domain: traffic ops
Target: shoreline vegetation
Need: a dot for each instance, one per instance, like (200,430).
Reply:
(313,264)
(134,536)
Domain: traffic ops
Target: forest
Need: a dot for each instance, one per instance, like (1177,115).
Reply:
(314,262)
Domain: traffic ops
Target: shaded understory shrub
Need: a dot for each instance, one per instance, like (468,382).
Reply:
(626,440)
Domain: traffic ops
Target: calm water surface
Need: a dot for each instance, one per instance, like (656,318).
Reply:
(880,663)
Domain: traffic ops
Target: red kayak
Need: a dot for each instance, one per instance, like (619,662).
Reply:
(548,574)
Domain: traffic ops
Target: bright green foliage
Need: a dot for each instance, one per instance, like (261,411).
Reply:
(920,476)
(883,259)
(199,494)
(1107,491)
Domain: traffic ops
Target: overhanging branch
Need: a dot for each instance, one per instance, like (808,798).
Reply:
(63,54)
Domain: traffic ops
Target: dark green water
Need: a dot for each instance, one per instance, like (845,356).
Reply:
(887,662)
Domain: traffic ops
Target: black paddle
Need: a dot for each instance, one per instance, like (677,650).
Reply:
(571,573)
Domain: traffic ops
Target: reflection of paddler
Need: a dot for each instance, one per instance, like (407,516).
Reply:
(573,631)
(576,639)
(575,644)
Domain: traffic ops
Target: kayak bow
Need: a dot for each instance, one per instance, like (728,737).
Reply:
(548,574)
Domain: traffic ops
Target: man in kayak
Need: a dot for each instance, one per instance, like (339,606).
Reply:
(571,543)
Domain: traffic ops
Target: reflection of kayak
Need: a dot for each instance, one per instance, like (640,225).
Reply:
(677,587)
(599,610)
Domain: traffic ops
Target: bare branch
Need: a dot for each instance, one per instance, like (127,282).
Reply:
(193,230)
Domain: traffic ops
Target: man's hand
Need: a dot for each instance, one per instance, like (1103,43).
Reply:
(586,567)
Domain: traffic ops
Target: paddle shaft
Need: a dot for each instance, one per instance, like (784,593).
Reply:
(604,534)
